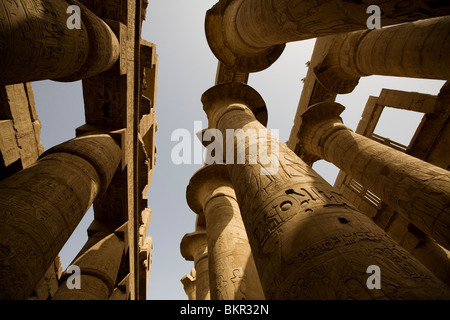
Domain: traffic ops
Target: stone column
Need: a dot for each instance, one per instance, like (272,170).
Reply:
(41,206)
(250,35)
(188,282)
(36,42)
(99,263)
(195,248)
(412,187)
(416,50)
(432,255)
(232,270)
(307,240)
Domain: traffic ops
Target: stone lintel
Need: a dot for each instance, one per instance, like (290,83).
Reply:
(105,225)
(226,74)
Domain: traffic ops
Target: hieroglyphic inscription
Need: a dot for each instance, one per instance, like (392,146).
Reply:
(42,45)
(296,200)
(333,242)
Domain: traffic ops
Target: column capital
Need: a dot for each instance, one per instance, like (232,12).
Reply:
(217,99)
(220,29)
(321,112)
(336,51)
(189,286)
(193,246)
(204,183)
(312,120)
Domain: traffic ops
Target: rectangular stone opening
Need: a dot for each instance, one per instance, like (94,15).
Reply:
(398,127)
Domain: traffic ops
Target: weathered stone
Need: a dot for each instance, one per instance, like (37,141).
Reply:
(41,46)
(194,247)
(99,262)
(411,186)
(42,205)
(232,270)
(308,241)
(188,282)
(413,50)
(250,35)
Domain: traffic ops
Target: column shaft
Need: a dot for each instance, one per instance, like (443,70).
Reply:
(194,247)
(308,241)
(413,187)
(252,28)
(41,206)
(414,50)
(232,270)
(234,275)
(36,42)
(99,263)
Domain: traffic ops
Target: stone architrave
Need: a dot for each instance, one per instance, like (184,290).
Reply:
(412,187)
(37,43)
(232,270)
(250,35)
(307,240)
(194,247)
(415,50)
(99,263)
(42,205)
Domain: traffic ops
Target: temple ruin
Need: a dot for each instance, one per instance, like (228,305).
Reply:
(268,226)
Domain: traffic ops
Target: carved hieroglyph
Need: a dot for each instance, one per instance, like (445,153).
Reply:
(409,185)
(308,241)
(41,206)
(232,270)
(250,35)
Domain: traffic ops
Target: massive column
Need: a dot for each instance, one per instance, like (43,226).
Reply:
(36,42)
(194,247)
(249,35)
(41,206)
(415,188)
(307,240)
(415,50)
(232,270)
(98,261)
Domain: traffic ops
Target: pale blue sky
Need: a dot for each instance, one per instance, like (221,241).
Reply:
(187,68)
